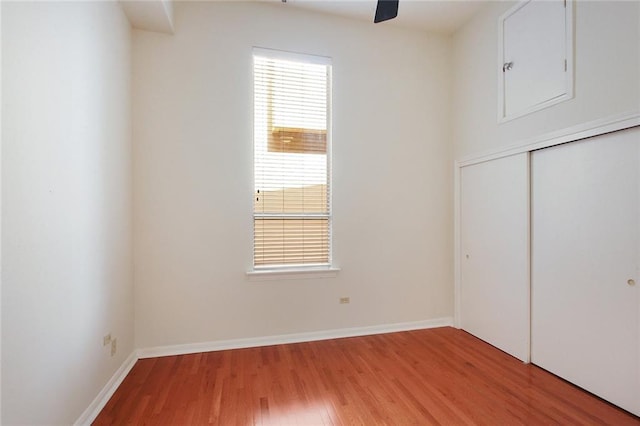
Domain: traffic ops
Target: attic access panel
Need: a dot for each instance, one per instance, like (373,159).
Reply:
(535,68)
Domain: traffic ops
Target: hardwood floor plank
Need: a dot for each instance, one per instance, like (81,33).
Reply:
(437,376)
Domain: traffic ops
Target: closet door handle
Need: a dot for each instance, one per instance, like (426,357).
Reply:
(631,282)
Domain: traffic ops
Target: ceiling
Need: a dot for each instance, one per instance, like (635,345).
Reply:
(441,16)
(149,15)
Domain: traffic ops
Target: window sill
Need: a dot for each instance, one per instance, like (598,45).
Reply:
(292,274)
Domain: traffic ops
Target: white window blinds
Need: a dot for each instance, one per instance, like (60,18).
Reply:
(292,210)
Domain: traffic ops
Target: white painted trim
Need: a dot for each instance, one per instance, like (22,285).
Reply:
(0,214)
(220,345)
(569,73)
(569,134)
(457,279)
(92,411)
(291,56)
(542,105)
(292,274)
(527,358)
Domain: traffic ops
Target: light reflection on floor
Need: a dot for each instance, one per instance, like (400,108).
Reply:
(296,413)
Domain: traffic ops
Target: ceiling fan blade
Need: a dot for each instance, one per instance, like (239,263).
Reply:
(385,10)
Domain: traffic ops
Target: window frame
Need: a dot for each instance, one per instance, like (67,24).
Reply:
(295,271)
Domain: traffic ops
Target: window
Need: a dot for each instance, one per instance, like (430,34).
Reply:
(292,208)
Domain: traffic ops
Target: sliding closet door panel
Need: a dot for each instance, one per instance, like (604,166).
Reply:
(585,246)
(494,243)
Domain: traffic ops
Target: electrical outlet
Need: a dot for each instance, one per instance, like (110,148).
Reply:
(106,339)
(344,300)
(114,346)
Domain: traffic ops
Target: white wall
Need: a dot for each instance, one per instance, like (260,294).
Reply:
(392,185)
(0,215)
(607,76)
(66,206)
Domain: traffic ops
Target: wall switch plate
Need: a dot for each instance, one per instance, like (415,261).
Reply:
(106,339)
(114,346)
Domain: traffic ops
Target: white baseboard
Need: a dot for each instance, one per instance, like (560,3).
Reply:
(91,413)
(220,345)
(107,391)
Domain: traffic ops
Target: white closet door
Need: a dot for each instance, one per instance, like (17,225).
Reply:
(494,249)
(585,250)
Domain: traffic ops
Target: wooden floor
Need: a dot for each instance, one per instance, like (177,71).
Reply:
(438,376)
